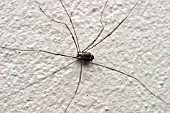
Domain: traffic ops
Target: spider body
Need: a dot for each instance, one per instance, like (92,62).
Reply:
(85,56)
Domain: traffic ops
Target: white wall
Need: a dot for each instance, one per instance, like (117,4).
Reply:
(139,47)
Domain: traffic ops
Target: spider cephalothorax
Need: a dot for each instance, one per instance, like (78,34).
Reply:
(85,56)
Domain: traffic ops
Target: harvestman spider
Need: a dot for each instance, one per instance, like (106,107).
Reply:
(82,56)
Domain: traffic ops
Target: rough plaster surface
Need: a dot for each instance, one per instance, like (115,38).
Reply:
(139,47)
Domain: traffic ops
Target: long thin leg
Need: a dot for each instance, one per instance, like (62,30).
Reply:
(77,46)
(71,24)
(75,90)
(100,30)
(133,78)
(114,28)
(14,49)
(38,81)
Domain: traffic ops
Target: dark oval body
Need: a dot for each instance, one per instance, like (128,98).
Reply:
(85,56)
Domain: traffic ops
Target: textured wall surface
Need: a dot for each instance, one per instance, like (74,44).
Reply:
(139,47)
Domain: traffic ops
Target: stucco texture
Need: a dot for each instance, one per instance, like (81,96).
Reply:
(139,47)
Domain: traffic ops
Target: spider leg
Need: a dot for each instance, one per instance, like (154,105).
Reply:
(114,28)
(76,44)
(75,90)
(36,82)
(71,24)
(133,78)
(33,50)
(100,30)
